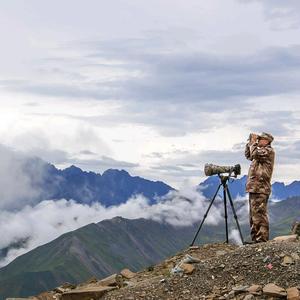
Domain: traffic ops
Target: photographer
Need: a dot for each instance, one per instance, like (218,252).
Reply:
(260,152)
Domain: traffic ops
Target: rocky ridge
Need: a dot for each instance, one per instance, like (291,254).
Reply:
(214,271)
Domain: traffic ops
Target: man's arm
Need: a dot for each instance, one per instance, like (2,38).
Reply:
(247,152)
(260,154)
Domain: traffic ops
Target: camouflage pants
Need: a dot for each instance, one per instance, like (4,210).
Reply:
(259,222)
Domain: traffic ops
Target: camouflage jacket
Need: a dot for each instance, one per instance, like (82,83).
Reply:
(261,168)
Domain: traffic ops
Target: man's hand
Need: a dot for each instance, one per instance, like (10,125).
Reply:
(253,138)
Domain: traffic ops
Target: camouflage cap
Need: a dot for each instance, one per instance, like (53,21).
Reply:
(266,136)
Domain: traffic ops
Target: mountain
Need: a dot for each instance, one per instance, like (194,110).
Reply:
(111,245)
(111,188)
(280,191)
(94,250)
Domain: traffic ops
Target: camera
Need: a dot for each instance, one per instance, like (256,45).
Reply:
(211,169)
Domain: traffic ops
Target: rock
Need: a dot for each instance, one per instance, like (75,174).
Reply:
(60,290)
(113,280)
(187,268)
(194,247)
(287,260)
(68,285)
(221,252)
(293,294)
(296,228)
(240,289)
(273,290)
(177,270)
(86,293)
(295,256)
(45,296)
(255,289)
(18,298)
(286,238)
(126,273)
(249,297)
(188,259)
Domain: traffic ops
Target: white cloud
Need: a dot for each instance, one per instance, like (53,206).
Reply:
(16,185)
(47,220)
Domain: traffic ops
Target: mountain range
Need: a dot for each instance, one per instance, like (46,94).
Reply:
(280,191)
(111,245)
(113,187)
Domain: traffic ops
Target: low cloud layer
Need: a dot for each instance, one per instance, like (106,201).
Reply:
(39,224)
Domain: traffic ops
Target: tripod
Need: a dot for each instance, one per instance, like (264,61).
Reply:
(224,182)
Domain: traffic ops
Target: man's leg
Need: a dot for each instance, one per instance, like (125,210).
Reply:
(259,214)
(253,232)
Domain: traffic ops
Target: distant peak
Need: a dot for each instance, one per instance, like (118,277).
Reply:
(115,172)
(73,169)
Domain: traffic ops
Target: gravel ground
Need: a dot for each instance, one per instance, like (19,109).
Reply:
(222,267)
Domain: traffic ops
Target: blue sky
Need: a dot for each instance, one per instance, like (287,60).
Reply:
(155,87)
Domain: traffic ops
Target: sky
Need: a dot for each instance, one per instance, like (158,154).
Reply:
(157,88)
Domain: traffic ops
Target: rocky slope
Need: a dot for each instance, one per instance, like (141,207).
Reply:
(213,271)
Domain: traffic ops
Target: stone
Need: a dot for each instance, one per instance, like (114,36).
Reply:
(60,290)
(126,273)
(187,268)
(249,297)
(194,247)
(287,260)
(296,228)
(188,259)
(273,290)
(113,280)
(295,256)
(255,289)
(293,294)
(286,238)
(18,298)
(86,293)
(68,285)
(240,289)
(45,296)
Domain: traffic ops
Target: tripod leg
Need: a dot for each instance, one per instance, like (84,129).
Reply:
(225,212)
(235,216)
(205,215)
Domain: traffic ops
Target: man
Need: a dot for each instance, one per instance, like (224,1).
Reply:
(262,155)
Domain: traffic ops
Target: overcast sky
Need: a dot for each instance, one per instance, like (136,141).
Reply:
(154,87)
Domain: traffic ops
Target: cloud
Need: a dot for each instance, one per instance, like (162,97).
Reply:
(17,186)
(162,83)
(102,163)
(282,15)
(41,223)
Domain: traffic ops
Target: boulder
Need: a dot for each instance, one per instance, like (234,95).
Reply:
(86,293)
(126,273)
(113,280)
(273,290)
(255,289)
(286,238)
(293,294)
(287,260)
(187,268)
